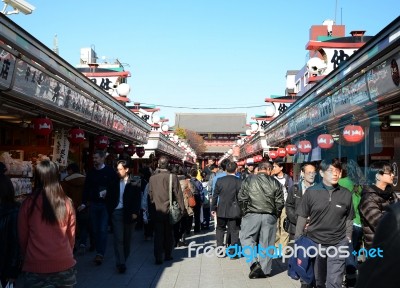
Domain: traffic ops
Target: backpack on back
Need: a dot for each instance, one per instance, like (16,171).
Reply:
(199,193)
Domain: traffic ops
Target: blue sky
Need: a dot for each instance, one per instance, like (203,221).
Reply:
(199,53)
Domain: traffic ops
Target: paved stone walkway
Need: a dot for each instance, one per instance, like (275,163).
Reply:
(182,271)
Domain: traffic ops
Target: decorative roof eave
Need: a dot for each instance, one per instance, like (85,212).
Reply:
(315,79)
(148,110)
(262,118)
(315,45)
(123,74)
(159,142)
(122,98)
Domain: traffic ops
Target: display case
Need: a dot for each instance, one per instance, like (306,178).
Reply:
(19,171)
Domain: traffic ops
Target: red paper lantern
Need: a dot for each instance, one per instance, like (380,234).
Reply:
(140,151)
(130,150)
(304,146)
(42,126)
(101,142)
(273,154)
(281,152)
(119,147)
(257,158)
(76,136)
(325,141)
(291,149)
(353,133)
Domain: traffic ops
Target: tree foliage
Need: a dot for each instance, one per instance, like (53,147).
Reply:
(193,139)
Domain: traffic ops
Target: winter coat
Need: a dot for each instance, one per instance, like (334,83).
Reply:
(373,205)
(261,194)
(159,193)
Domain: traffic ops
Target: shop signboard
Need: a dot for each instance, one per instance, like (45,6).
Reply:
(351,97)
(119,124)
(281,133)
(291,127)
(7,64)
(303,121)
(384,78)
(61,147)
(103,116)
(322,111)
(32,82)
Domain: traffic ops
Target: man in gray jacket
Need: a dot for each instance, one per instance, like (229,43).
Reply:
(261,198)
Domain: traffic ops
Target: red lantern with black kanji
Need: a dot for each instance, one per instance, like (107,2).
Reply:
(118,147)
(140,151)
(42,126)
(325,141)
(353,133)
(304,146)
(257,158)
(273,154)
(281,152)
(101,142)
(291,149)
(76,136)
(130,150)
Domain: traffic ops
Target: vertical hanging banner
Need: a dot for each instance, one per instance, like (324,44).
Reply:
(61,147)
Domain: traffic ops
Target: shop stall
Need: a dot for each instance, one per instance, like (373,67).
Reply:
(49,108)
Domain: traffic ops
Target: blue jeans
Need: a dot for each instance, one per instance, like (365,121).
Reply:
(99,217)
(122,236)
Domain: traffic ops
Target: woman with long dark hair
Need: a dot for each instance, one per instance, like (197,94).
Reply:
(47,232)
(9,248)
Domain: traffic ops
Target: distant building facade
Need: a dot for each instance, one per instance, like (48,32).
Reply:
(219,131)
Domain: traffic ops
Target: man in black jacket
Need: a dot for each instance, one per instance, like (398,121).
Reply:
(295,194)
(97,185)
(123,203)
(225,205)
(261,198)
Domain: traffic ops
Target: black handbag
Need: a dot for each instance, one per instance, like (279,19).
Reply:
(286,224)
(236,211)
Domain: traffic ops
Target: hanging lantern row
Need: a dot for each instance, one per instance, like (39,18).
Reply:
(257,158)
(131,149)
(281,152)
(42,126)
(273,154)
(325,141)
(76,136)
(119,147)
(140,151)
(304,146)
(291,149)
(101,142)
(353,133)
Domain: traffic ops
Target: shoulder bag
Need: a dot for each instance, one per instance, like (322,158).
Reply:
(175,213)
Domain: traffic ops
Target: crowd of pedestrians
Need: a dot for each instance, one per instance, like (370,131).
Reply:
(332,204)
